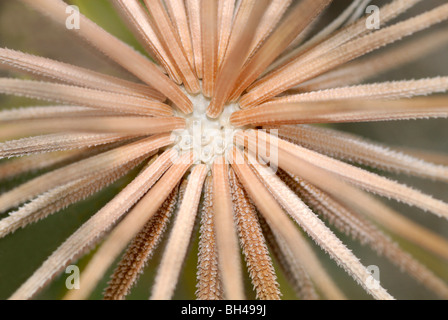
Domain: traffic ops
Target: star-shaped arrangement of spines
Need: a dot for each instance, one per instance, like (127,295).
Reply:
(223,124)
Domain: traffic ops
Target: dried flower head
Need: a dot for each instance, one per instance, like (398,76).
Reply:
(223,129)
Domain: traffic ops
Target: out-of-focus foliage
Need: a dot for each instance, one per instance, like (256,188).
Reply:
(105,15)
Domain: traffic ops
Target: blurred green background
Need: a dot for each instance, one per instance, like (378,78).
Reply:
(23,252)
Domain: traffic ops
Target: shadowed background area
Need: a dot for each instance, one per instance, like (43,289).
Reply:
(23,252)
